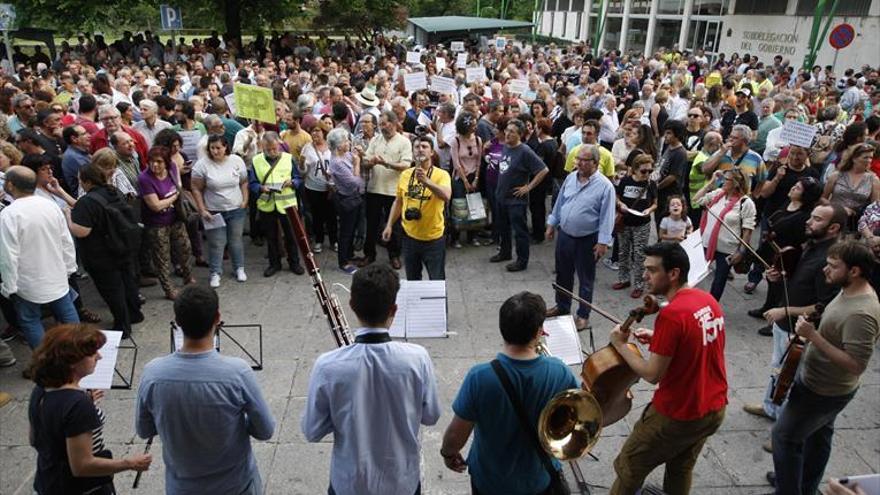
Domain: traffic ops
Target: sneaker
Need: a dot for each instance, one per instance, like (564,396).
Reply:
(215,280)
(457,245)
(240,275)
(317,248)
(10,361)
(610,265)
(349,269)
(756,410)
(476,242)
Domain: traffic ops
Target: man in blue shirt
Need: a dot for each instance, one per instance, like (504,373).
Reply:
(584,216)
(502,458)
(75,157)
(372,396)
(204,406)
(518,165)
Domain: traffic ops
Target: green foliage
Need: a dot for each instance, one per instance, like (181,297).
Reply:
(364,17)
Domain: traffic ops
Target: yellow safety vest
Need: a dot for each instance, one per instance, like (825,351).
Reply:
(275,200)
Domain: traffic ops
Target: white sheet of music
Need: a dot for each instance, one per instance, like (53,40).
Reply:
(693,246)
(421,310)
(102,378)
(562,339)
(178,339)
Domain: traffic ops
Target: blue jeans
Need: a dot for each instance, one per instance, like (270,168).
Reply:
(514,216)
(431,254)
(230,235)
(575,255)
(780,344)
(30,316)
(722,268)
(802,439)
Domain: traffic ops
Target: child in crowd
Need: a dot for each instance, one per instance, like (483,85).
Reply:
(676,225)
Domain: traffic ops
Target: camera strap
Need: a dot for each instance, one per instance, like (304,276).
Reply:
(412,182)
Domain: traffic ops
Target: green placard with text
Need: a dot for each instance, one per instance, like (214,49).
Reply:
(254,102)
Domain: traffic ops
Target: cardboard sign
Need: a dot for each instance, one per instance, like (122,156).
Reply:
(461,60)
(443,85)
(518,86)
(457,46)
(475,74)
(415,81)
(254,102)
(413,58)
(797,133)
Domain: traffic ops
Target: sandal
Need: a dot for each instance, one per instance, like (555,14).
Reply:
(88,316)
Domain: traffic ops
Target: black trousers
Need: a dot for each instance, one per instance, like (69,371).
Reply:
(538,210)
(270,222)
(118,287)
(323,215)
(378,209)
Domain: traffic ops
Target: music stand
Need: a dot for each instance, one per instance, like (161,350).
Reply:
(126,383)
(256,362)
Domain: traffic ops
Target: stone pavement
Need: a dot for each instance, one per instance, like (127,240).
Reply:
(295,332)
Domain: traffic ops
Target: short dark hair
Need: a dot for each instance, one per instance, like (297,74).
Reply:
(62,347)
(672,256)
(68,134)
(374,292)
(840,217)
(520,317)
(87,103)
(854,254)
(187,109)
(35,162)
(677,128)
(195,310)
(93,174)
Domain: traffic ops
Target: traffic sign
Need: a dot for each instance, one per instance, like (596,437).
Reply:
(841,36)
(7,16)
(171,18)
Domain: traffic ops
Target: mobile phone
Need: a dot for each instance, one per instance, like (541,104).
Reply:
(869,483)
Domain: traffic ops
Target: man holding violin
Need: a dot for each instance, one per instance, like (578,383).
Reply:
(687,360)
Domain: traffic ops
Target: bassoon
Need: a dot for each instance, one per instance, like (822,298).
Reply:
(329,302)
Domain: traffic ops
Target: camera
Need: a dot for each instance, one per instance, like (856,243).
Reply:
(412,214)
(421,130)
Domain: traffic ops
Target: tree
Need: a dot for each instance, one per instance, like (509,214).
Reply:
(364,17)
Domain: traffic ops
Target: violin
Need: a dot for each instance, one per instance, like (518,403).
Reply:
(792,359)
(606,374)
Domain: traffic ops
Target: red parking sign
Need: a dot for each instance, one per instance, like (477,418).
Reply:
(841,36)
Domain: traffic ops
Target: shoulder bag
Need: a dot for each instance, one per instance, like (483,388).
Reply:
(558,485)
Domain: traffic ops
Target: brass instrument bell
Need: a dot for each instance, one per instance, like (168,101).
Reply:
(570,424)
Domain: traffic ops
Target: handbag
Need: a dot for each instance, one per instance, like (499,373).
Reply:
(558,484)
(184,206)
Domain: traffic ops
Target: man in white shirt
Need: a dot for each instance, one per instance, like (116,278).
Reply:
(36,256)
(372,396)
(151,124)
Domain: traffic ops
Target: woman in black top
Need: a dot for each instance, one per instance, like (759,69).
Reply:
(65,424)
(786,229)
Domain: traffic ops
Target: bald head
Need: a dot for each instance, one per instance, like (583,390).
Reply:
(712,141)
(20,181)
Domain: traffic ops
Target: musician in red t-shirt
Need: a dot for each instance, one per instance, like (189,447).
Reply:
(687,360)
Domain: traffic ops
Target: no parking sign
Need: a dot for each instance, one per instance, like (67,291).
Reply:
(842,36)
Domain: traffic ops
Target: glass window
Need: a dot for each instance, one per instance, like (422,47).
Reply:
(666,33)
(844,7)
(637,35)
(613,28)
(562,5)
(612,6)
(640,7)
(710,7)
(577,5)
(761,6)
(670,6)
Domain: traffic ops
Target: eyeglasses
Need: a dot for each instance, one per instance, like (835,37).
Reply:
(694,115)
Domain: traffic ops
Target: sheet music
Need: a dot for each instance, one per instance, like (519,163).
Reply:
(102,378)
(421,309)
(693,246)
(215,222)
(562,339)
(178,339)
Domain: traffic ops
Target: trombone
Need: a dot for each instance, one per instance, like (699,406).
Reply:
(569,426)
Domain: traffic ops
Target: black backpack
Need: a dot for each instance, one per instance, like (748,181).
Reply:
(123,234)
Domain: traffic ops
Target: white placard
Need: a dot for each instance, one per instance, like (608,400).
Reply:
(421,310)
(476,208)
(443,85)
(102,378)
(461,60)
(562,339)
(413,58)
(215,222)
(475,74)
(190,142)
(500,42)
(441,63)
(457,46)
(797,133)
(693,246)
(230,102)
(518,86)
(415,81)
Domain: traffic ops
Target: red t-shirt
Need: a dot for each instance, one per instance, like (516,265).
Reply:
(690,330)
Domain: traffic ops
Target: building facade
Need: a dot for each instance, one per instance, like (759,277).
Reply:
(765,28)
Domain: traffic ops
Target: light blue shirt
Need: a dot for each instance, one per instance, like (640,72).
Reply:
(205,407)
(584,208)
(372,398)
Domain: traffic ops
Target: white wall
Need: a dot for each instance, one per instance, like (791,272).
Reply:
(767,36)
(558,23)
(571,26)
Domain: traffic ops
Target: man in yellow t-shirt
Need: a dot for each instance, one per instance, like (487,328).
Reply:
(590,135)
(422,194)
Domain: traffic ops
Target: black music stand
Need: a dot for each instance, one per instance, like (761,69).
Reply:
(256,362)
(126,382)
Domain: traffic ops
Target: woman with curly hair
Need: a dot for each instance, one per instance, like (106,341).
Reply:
(66,425)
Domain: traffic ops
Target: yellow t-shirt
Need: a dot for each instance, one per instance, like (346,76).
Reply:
(431,226)
(296,142)
(384,180)
(606,161)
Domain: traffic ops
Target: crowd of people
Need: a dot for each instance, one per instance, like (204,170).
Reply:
(126,162)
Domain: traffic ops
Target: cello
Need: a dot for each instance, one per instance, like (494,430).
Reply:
(605,373)
(792,359)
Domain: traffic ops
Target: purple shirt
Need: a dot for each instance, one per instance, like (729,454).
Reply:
(347,184)
(164,188)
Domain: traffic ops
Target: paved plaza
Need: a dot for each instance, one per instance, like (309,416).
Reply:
(295,332)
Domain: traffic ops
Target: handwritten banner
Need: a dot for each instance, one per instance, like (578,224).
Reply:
(475,74)
(443,85)
(415,81)
(797,133)
(254,102)
(457,46)
(461,60)
(413,58)
(518,86)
